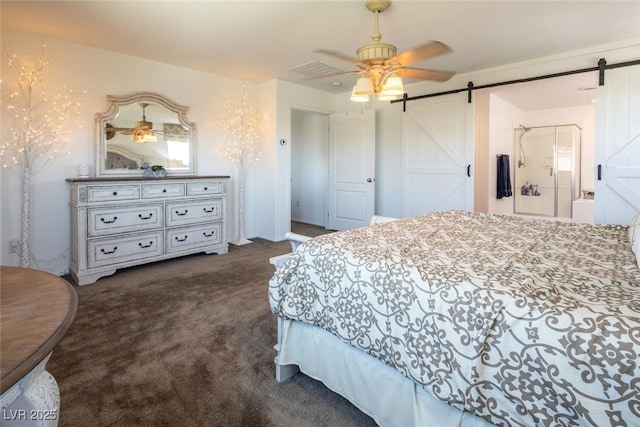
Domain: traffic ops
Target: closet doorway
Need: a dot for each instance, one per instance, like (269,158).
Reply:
(333,168)
(309,167)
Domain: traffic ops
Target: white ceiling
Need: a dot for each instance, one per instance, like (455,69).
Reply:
(262,40)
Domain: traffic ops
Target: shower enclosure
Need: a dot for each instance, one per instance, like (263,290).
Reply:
(547,169)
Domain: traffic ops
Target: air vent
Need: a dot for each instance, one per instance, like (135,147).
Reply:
(316,69)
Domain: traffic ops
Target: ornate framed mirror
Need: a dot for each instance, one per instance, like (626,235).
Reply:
(144,127)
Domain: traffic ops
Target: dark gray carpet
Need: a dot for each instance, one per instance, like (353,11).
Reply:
(186,342)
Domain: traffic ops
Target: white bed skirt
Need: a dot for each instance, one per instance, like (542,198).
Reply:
(376,389)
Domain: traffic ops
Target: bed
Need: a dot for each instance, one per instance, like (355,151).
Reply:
(463,318)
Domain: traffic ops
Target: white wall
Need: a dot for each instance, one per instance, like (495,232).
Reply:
(102,73)
(502,119)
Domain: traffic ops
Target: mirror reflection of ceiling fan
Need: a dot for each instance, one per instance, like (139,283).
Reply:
(143,131)
(381,68)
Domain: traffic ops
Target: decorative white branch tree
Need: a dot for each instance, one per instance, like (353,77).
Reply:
(241,145)
(33,129)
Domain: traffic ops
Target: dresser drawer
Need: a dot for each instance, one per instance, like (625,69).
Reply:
(204,188)
(182,213)
(116,250)
(122,219)
(180,239)
(112,193)
(155,191)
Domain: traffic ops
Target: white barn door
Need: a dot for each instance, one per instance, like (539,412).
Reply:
(351,169)
(437,151)
(617,151)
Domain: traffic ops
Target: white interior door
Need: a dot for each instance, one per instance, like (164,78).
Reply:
(351,169)
(617,151)
(437,151)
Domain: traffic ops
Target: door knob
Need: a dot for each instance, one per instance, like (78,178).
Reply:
(369,180)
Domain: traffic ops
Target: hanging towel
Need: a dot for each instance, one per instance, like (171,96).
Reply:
(504,178)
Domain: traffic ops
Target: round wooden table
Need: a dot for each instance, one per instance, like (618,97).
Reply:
(36,310)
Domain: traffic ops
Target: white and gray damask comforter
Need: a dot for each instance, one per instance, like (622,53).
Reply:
(519,322)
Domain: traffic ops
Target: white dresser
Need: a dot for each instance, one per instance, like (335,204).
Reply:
(122,222)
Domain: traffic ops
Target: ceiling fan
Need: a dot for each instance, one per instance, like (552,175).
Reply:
(381,68)
(143,131)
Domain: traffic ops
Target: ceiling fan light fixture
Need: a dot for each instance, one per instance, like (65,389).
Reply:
(363,86)
(393,86)
(376,52)
(144,136)
(381,65)
(144,123)
(358,98)
(386,97)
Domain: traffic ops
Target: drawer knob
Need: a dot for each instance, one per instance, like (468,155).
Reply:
(115,193)
(209,211)
(182,213)
(206,188)
(146,246)
(164,190)
(181,240)
(145,217)
(107,221)
(115,248)
(208,235)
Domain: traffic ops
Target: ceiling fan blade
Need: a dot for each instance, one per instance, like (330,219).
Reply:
(422,74)
(420,53)
(339,55)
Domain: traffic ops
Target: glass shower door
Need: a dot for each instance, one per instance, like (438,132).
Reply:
(566,166)
(535,170)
